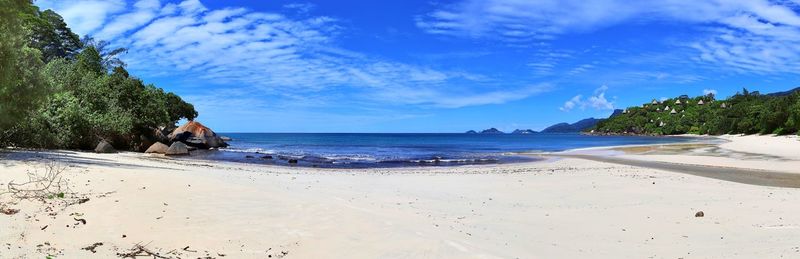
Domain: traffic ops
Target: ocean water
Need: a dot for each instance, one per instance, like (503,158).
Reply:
(364,150)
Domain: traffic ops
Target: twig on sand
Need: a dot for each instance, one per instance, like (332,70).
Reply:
(47,185)
(92,248)
(139,250)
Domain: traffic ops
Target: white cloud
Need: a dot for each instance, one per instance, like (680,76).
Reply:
(596,101)
(84,16)
(144,11)
(572,103)
(599,101)
(272,54)
(747,35)
(709,91)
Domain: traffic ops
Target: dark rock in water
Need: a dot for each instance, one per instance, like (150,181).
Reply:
(195,134)
(293,161)
(527,131)
(177,149)
(491,131)
(699,214)
(158,148)
(266,157)
(471,132)
(104,147)
(249,157)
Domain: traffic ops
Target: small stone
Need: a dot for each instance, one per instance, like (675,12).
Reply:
(699,214)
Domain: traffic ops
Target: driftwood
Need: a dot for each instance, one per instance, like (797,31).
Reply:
(46,185)
(139,250)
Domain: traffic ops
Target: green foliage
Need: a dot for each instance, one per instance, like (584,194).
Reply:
(72,101)
(21,85)
(744,113)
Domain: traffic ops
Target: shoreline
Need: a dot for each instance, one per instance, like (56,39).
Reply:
(476,211)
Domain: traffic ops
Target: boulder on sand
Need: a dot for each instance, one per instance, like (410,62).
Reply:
(195,134)
(104,147)
(177,149)
(158,148)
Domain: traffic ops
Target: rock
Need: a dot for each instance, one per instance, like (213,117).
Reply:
(104,147)
(699,214)
(249,156)
(158,148)
(471,132)
(266,157)
(293,161)
(224,138)
(195,134)
(177,148)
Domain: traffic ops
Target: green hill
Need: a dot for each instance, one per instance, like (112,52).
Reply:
(744,113)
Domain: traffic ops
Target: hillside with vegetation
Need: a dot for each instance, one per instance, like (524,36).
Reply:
(744,113)
(60,91)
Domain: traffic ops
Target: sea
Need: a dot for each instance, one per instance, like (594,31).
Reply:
(377,150)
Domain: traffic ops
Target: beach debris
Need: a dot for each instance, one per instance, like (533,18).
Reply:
(158,148)
(83,221)
(42,186)
(104,147)
(699,214)
(9,211)
(139,250)
(92,248)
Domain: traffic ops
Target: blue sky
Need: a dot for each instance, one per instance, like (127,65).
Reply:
(441,66)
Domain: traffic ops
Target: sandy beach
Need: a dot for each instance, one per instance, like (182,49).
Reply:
(564,207)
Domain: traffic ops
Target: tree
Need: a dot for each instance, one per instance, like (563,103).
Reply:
(109,57)
(21,86)
(50,34)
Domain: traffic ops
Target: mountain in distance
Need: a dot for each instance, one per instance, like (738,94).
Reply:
(578,126)
(784,93)
(527,131)
(491,131)
(471,132)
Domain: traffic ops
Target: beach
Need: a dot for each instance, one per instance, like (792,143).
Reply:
(565,206)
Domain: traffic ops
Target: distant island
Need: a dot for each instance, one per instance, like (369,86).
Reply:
(579,126)
(744,113)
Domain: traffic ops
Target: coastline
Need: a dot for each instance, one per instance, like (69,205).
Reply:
(488,211)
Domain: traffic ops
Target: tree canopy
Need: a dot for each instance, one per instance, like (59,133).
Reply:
(744,113)
(57,91)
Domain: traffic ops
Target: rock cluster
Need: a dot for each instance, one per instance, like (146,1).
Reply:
(196,135)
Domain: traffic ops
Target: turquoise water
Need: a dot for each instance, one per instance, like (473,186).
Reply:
(394,150)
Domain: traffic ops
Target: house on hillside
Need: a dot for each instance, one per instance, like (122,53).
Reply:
(700,102)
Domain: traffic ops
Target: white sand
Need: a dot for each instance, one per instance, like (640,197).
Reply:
(566,208)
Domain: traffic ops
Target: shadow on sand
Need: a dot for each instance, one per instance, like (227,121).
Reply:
(66,157)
